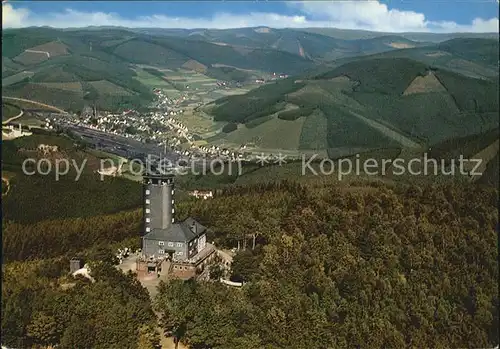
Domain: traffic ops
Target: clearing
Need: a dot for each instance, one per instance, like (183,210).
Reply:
(273,133)
(31,58)
(52,49)
(314,132)
(67,86)
(106,87)
(195,65)
(16,78)
(150,80)
(400,45)
(424,84)
(398,137)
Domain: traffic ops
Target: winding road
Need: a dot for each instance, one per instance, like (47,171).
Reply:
(13,118)
(35,102)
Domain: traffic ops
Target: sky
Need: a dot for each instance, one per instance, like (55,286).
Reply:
(442,16)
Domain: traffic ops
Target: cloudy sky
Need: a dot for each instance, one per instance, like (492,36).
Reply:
(386,16)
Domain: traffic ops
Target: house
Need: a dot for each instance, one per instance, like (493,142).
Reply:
(181,241)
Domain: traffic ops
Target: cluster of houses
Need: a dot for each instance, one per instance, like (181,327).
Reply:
(12,132)
(274,77)
(163,101)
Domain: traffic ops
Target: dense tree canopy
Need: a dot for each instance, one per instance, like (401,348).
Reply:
(359,266)
(367,265)
(112,312)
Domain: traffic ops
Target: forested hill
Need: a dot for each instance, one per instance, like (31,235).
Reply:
(364,266)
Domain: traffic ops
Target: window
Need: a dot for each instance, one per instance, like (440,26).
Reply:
(179,244)
(148,220)
(161,243)
(147,192)
(148,210)
(148,202)
(173,211)
(161,251)
(148,229)
(172,192)
(170,244)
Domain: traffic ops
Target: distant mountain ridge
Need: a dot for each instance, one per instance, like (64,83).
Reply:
(66,67)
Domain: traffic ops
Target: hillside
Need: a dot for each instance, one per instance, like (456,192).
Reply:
(347,266)
(347,34)
(41,63)
(372,103)
(472,57)
(9,111)
(37,197)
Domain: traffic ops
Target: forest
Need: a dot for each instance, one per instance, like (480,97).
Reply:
(370,266)
(359,264)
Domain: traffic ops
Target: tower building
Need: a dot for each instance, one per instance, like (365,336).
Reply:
(163,237)
(158,202)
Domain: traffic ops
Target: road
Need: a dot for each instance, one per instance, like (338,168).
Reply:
(13,118)
(35,102)
(151,284)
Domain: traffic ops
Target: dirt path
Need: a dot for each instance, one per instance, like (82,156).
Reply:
(35,102)
(35,51)
(398,137)
(151,285)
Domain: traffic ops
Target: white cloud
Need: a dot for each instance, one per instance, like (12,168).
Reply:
(367,15)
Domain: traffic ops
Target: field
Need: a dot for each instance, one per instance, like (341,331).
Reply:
(314,132)
(31,58)
(198,124)
(108,88)
(28,119)
(68,86)
(13,79)
(53,48)
(272,134)
(150,80)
